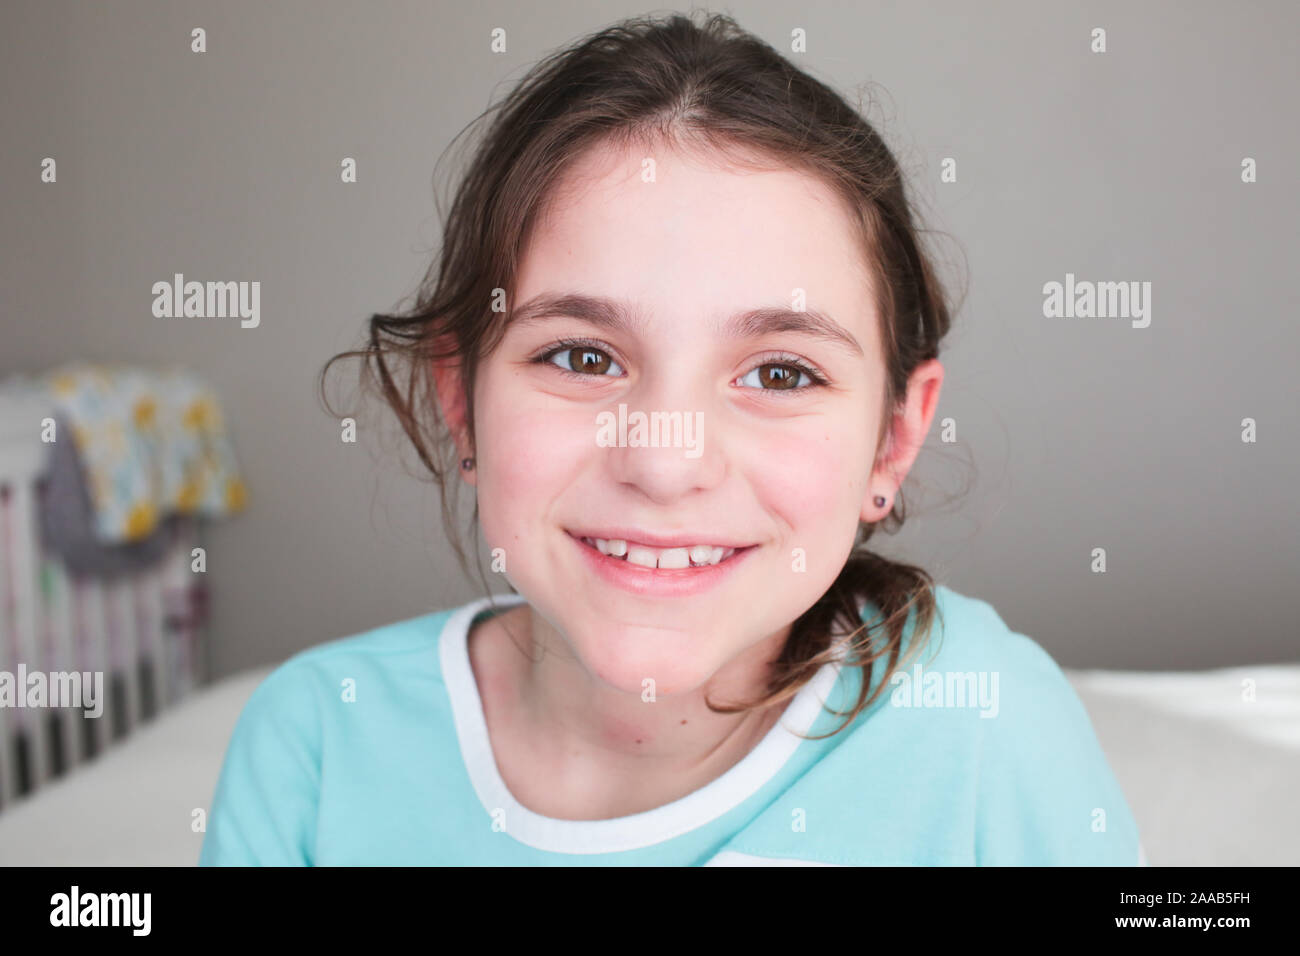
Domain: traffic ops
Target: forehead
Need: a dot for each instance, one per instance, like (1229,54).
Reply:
(679,231)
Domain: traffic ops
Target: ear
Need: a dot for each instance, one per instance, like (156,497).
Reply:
(908,428)
(450,386)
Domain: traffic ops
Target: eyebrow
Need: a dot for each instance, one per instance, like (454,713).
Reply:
(615,316)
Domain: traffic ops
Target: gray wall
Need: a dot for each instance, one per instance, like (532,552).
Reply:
(1072,433)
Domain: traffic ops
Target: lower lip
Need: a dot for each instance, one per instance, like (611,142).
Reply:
(660,582)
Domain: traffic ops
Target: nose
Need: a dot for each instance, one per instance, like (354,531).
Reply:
(663,443)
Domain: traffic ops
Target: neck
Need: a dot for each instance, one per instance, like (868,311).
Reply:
(605,752)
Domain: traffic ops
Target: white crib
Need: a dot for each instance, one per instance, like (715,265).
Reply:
(142,631)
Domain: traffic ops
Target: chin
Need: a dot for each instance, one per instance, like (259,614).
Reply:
(624,657)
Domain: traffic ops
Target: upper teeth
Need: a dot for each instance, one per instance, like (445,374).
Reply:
(697,555)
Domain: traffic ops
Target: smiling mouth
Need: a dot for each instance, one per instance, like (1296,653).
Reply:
(661,559)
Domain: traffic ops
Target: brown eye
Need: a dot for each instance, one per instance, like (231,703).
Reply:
(778,377)
(585,360)
(589,361)
(790,376)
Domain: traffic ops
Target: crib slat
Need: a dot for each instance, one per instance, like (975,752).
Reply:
(8,726)
(122,601)
(176,582)
(149,592)
(65,659)
(94,621)
(27,618)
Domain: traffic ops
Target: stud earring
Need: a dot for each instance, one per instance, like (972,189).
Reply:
(466,464)
(880,501)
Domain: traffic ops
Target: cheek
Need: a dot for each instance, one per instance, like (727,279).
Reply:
(813,479)
(527,451)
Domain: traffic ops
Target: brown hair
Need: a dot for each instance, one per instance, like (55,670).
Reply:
(714,86)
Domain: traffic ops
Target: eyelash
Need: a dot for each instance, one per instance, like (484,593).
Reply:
(782,359)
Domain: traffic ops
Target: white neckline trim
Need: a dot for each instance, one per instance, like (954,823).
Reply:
(620,834)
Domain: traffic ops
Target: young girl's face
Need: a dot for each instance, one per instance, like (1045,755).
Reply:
(780,415)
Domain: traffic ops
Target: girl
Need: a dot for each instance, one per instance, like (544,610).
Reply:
(682,343)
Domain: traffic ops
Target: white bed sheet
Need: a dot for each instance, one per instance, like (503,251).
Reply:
(1212,777)
(1211,774)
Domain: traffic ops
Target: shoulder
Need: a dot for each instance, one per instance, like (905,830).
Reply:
(306,716)
(375,671)
(969,637)
(970,630)
(1045,792)
(410,636)
(1034,698)
(969,675)
(402,647)
(972,693)
(977,751)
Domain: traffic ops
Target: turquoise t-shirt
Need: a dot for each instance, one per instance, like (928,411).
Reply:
(981,754)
